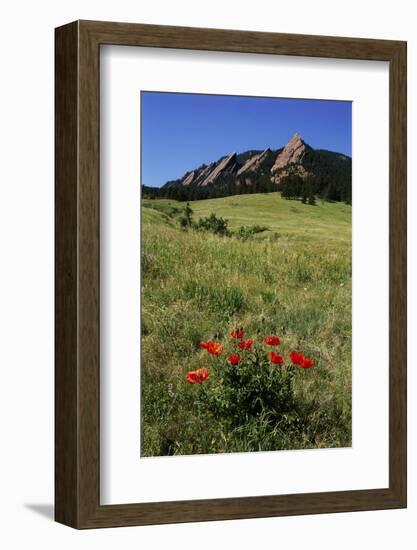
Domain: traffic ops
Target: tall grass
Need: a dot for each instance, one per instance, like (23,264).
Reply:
(293,280)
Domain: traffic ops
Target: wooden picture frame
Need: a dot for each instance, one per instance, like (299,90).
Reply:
(77,374)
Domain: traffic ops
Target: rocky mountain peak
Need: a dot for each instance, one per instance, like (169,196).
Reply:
(235,173)
(293,153)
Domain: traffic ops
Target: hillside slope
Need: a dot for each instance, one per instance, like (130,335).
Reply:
(293,280)
(327,221)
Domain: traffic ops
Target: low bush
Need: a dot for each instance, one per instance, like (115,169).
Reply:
(246,232)
(247,385)
(214,224)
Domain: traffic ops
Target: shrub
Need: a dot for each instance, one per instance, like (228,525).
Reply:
(186,220)
(246,232)
(183,222)
(248,382)
(253,387)
(214,224)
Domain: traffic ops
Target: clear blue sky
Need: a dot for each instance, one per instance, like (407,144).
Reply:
(182,131)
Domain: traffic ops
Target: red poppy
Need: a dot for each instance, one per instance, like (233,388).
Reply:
(245,344)
(301,360)
(296,358)
(234,359)
(272,340)
(197,376)
(237,333)
(191,377)
(275,358)
(307,363)
(214,348)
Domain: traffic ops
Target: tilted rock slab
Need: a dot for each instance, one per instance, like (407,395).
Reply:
(293,153)
(224,165)
(253,162)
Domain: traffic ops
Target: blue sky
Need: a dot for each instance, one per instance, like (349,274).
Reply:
(182,131)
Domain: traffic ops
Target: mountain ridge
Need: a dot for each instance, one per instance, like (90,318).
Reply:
(289,169)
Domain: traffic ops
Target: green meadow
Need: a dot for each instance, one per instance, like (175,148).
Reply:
(292,279)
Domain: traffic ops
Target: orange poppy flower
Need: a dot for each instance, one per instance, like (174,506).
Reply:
(197,376)
(245,344)
(275,358)
(234,359)
(214,348)
(296,358)
(301,360)
(272,340)
(307,363)
(238,333)
(191,377)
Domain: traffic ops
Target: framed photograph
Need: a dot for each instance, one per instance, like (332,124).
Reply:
(230,274)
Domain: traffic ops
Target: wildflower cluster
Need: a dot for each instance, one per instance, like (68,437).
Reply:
(246,383)
(236,357)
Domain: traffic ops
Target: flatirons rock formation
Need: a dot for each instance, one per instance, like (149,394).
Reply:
(293,153)
(290,160)
(253,162)
(295,158)
(227,165)
(208,174)
(188,178)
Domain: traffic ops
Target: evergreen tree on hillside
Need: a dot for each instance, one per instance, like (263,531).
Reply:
(291,186)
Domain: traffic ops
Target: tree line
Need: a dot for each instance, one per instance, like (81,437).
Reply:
(329,178)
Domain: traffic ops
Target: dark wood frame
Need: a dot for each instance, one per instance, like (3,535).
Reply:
(77,374)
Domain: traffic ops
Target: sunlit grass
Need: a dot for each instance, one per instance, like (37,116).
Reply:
(293,280)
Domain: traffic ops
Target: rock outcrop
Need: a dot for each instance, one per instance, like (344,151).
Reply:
(290,160)
(296,158)
(188,178)
(293,153)
(253,162)
(228,164)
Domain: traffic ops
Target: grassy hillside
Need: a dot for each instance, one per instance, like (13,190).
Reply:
(293,280)
(331,221)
